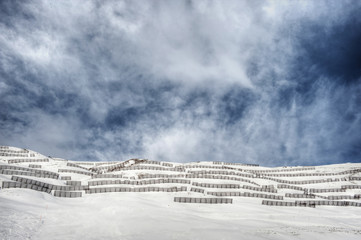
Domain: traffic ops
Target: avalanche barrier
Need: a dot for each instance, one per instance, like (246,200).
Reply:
(203,200)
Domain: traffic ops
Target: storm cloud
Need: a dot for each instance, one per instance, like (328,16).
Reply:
(268,82)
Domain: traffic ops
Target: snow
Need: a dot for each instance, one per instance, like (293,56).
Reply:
(29,214)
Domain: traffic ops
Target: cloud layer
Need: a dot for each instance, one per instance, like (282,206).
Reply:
(267,82)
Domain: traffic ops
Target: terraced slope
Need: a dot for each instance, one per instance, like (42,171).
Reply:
(201,182)
(183,186)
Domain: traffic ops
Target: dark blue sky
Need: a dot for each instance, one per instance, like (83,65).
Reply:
(268,82)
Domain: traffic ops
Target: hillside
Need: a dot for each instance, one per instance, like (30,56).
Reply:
(53,198)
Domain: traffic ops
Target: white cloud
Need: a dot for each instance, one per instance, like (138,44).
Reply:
(120,55)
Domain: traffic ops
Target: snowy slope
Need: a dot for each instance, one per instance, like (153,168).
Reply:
(135,199)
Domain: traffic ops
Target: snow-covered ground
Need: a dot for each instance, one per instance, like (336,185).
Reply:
(36,214)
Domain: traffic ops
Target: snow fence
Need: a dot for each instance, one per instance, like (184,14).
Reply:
(76,165)
(203,200)
(245,194)
(22,160)
(311,203)
(28,171)
(199,190)
(47,185)
(262,189)
(67,194)
(296,195)
(143,182)
(208,176)
(34,166)
(211,185)
(143,189)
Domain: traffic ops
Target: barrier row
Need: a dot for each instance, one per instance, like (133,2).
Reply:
(143,182)
(353,171)
(202,166)
(75,171)
(355,178)
(286,204)
(143,189)
(124,165)
(7,184)
(311,203)
(14,151)
(137,167)
(296,195)
(47,185)
(291,187)
(34,166)
(65,177)
(67,194)
(314,190)
(167,165)
(151,162)
(203,200)
(4,147)
(73,183)
(107,176)
(236,164)
(213,185)
(272,190)
(199,190)
(58,159)
(142,176)
(329,203)
(282,170)
(222,173)
(242,164)
(117,166)
(302,182)
(105,163)
(312,174)
(245,194)
(301,174)
(15,172)
(69,164)
(206,176)
(13,155)
(351,186)
(340,197)
(21,160)
(43,172)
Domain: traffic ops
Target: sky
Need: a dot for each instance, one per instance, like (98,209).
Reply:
(273,83)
